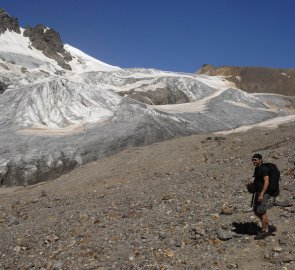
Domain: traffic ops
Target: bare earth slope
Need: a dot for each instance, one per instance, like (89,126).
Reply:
(256,79)
(179,204)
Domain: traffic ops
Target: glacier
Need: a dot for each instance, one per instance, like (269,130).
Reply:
(53,120)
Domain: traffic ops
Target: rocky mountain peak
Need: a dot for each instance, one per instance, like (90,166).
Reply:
(40,38)
(8,23)
(49,42)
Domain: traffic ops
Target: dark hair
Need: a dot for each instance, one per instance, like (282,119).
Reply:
(259,156)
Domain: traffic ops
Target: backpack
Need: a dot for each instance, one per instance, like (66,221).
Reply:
(274,179)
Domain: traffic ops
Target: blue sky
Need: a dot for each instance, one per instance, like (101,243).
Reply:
(174,35)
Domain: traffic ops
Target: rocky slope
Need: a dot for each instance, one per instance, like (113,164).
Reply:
(256,79)
(179,204)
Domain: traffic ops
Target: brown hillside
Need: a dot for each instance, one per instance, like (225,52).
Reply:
(256,79)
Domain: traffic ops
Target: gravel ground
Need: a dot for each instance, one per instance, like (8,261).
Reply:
(179,204)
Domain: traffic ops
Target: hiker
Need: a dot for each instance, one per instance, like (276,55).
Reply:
(262,196)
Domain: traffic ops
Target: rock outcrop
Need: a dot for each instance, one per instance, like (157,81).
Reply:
(3,87)
(8,23)
(161,96)
(42,38)
(256,79)
(49,42)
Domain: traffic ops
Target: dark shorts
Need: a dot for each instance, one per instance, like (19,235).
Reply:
(261,208)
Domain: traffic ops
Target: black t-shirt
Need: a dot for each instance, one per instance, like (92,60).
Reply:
(259,174)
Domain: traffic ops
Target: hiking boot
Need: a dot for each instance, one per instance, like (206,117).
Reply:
(261,235)
(271,229)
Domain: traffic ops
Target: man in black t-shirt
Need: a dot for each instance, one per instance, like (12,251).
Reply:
(261,197)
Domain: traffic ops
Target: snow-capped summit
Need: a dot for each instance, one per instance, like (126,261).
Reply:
(41,49)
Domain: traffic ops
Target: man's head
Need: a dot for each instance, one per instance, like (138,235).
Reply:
(257,159)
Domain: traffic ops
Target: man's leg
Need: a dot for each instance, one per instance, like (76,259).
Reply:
(264,226)
(264,222)
(260,212)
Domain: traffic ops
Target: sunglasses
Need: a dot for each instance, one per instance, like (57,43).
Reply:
(255,159)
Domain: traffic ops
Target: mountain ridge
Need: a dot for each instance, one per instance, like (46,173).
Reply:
(256,79)
(41,48)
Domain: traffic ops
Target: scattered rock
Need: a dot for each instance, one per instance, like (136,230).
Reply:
(277,249)
(224,235)
(227,209)
(283,202)
(291,187)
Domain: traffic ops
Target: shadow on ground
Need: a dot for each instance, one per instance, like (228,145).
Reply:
(250,228)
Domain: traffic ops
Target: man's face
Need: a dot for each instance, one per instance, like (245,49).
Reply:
(256,162)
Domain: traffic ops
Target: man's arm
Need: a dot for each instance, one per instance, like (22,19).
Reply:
(265,186)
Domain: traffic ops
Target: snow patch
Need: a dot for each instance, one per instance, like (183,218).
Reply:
(272,123)
(83,63)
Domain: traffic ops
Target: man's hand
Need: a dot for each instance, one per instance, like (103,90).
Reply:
(260,197)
